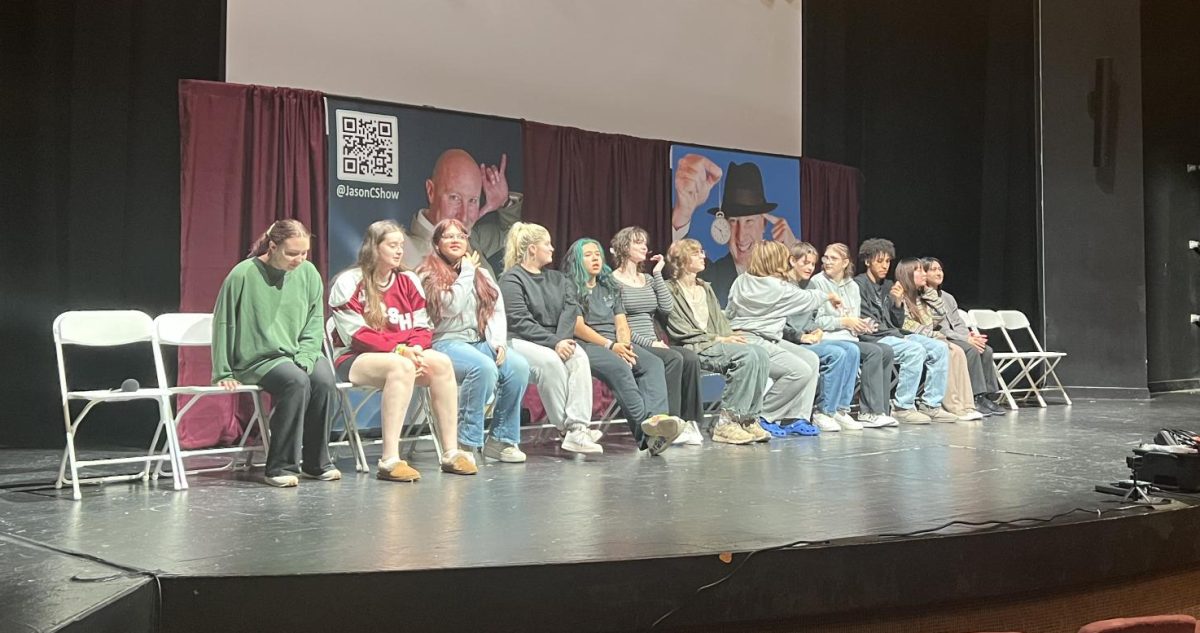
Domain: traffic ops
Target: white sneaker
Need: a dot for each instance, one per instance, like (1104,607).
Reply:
(690,435)
(891,420)
(595,434)
(580,440)
(879,421)
(846,422)
(825,423)
(285,480)
(503,452)
(970,415)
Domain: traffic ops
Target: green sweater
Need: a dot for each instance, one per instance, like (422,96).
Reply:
(264,317)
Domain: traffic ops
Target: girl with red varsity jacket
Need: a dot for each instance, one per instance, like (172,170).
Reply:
(380,339)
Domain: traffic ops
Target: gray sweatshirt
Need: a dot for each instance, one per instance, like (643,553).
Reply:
(458,304)
(953,326)
(829,316)
(541,307)
(761,305)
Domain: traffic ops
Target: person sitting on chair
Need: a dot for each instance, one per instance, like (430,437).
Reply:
(846,324)
(645,296)
(636,377)
(978,353)
(467,311)
(882,304)
(382,340)
(759,303)
(839,359)
(541,306)
(267,331)
(697,322)
(919,318)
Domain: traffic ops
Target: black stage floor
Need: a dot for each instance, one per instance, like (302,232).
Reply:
(572,535)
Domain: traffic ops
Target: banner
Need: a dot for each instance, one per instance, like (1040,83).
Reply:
(730,200)
(417,166)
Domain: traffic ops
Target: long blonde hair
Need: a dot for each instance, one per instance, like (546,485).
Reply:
(367,255)
(521,236)
(769,259)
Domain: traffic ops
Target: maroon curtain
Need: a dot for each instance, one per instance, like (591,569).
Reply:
(829,203)
(250,155)
(588,184)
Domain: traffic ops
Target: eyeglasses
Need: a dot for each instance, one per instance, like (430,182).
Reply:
(455,236)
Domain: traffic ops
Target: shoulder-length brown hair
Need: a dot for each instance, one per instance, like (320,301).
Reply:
(437,275)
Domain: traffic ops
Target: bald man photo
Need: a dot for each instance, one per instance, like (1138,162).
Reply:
(470,192)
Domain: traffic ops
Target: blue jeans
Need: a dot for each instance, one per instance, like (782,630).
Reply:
(915,352)
(479,379)
(839,367)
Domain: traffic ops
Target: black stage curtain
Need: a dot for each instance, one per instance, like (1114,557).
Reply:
(935,103)
(90,175)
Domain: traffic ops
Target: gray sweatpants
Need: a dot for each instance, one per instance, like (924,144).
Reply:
(564,387)
(746,369)
(796,372)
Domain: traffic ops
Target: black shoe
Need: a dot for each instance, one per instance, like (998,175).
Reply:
(982,405)
(992,407)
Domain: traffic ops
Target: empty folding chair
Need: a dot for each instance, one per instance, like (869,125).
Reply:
(112,328)
(1039,363)
(183,329)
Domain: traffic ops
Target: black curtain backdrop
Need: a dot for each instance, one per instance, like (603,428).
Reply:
(90,175)
(1171,137)
(934,102)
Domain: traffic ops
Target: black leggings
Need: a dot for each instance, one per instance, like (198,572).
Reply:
(301,401)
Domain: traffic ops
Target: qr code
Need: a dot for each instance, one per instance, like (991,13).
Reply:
(366,147)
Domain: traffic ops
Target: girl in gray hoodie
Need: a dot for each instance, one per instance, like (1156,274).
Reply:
(760,302)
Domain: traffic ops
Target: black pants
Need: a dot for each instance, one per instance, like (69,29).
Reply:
(301,401)
(682,368)
(875,380)
(641,390)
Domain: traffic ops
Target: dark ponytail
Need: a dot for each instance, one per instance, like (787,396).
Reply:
(279,231)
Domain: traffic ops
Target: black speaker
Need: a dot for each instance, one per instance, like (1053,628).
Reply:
(1103,107)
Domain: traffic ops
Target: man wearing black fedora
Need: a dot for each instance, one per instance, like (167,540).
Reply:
(740,220)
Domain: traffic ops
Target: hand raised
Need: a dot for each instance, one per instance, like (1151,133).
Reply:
(495,185)
(695,176)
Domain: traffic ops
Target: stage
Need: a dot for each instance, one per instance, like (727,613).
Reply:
(606,543)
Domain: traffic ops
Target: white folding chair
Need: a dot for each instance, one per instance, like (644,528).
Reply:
(112,328)
(1001,360)
(417,416)
(1039,364)
(182,329)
